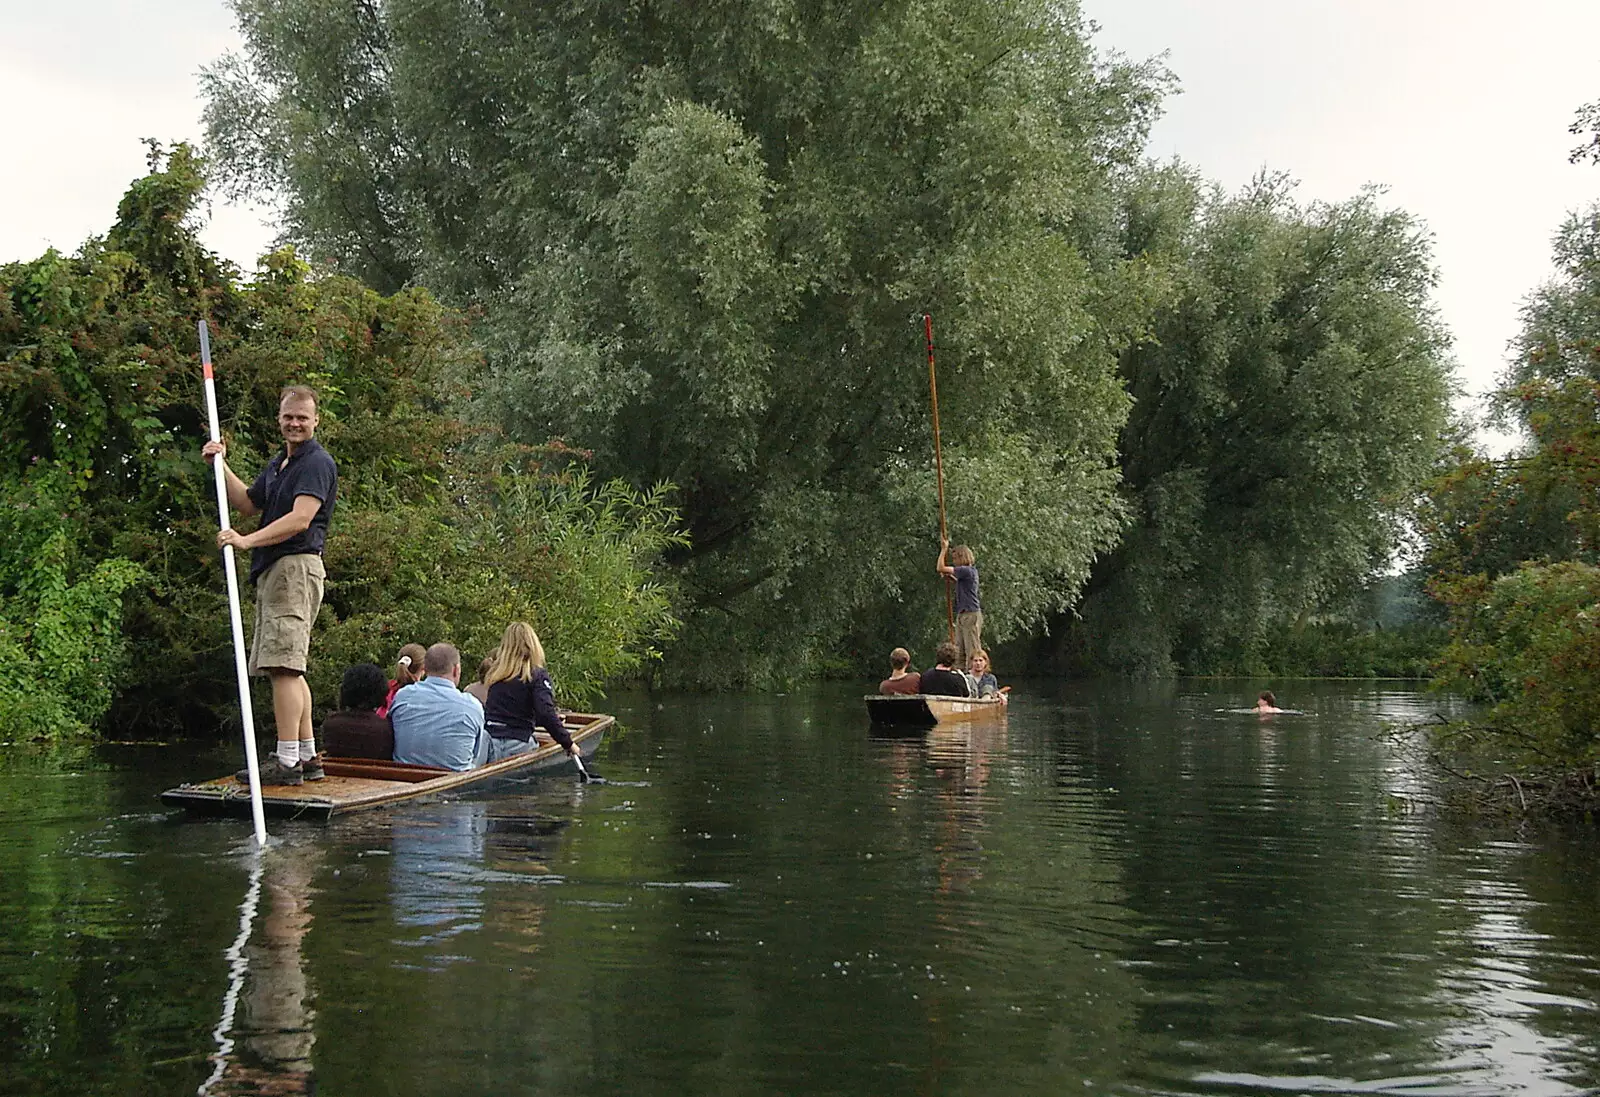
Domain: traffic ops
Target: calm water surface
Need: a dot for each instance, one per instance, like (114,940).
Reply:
(1119,890)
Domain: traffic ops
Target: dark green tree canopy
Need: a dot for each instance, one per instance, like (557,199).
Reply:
(702,235)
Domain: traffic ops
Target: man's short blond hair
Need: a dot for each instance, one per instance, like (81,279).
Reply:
(297,393)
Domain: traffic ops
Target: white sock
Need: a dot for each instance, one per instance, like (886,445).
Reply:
(288,751)
(308,749)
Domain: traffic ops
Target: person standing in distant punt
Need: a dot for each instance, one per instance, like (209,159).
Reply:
(902,679)
(962,569)
(294,495)
(944,680)
(521,696)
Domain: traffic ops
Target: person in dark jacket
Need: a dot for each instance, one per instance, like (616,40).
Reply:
(944,680)
(521,696)
(356,730)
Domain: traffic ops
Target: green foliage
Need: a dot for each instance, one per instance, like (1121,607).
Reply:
(1560,337)
(571,558)
(60,621)
(1286,411)
(1528,644)
(1514,543)
(702,236)
(1587,124)
(442,529)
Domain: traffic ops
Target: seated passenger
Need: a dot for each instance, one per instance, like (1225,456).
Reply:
(521,696)
(356,730)
(902,679)
(944,680)
(435,724)
(480,688)
(984,682)
(407,669)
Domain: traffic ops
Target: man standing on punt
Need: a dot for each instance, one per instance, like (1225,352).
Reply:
(294,496)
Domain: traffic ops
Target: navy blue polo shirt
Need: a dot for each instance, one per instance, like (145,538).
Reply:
(966,588)
(310,472)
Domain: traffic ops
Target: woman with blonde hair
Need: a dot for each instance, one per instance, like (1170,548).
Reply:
(521,696)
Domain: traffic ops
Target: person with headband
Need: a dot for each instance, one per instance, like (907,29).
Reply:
(407,669)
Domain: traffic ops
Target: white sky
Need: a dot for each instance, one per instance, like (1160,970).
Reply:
(1460,108)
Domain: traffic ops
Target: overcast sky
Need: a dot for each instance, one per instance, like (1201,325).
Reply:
(1460,108)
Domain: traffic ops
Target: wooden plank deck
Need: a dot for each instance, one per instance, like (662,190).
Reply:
(358,784)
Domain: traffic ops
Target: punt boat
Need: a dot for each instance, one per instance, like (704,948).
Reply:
(925,710)
(357,784)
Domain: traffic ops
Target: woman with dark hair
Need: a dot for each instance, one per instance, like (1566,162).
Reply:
(407,670)
(356,730)
(480,688)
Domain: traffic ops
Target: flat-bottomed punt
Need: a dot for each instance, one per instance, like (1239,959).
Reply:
(925,710)
(357,784)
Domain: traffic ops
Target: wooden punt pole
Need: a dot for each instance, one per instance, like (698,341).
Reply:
(938,466)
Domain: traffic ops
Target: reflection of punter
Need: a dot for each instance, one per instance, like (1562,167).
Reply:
(272,1034)
(294,496)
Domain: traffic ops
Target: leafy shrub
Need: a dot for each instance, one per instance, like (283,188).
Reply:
(60,641)
(1528,644)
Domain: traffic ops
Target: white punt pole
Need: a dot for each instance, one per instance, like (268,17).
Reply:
(239,665)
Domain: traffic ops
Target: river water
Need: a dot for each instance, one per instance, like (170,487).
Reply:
(1120,889)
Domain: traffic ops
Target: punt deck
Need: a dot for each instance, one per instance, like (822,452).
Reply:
(358,784)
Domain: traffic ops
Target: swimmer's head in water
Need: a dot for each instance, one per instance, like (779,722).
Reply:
(1266,696)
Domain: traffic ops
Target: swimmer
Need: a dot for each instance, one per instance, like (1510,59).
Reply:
(1267,702)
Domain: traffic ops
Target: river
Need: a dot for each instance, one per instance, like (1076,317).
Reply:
(1121,889)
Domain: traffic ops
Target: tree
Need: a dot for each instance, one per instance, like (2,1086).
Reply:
(1285,414)
(442,530)
(1514,543)
(701,235)
(1587,124)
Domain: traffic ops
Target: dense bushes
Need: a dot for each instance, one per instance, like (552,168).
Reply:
(443,531)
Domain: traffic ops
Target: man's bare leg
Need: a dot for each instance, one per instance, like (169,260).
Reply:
(291,711)
(308,742)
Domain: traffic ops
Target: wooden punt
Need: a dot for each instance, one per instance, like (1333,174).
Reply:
(356,784)
(925,710)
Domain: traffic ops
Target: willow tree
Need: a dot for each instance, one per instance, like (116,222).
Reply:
(701,234)
(1286,415)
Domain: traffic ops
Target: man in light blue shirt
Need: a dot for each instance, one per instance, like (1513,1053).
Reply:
(435,724)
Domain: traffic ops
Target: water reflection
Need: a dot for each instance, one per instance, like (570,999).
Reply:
(1118,890)
(266,1032)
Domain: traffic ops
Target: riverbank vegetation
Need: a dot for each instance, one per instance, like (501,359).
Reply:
(702,240)
(1514,543)
(547,262)
(112,606)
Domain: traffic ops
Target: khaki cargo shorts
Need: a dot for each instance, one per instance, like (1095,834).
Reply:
(288,596)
